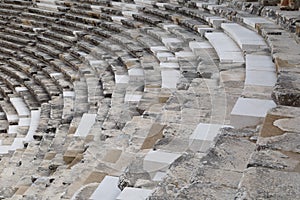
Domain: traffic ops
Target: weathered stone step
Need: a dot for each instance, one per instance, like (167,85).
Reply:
(225,47)
(246,39)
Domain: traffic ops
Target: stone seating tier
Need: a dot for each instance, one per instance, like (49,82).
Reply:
(136,83)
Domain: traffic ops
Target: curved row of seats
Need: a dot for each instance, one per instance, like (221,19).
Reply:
(113,78)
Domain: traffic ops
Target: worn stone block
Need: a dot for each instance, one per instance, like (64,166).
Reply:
(249,112)
(134,194)
(203,136)
(158,160)
(107,189)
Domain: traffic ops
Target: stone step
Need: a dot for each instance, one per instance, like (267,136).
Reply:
(253,21)
(225,47)
(107,189)
(260,71)
(247,39)
(86,122)
(134,194)
(203,136)
(218,174)
(249,112)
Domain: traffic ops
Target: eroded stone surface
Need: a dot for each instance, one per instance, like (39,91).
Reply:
(267,183)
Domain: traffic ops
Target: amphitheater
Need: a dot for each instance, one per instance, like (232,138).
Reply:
(149,100)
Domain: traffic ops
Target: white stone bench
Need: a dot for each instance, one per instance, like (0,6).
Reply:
(260,71)
(247,39)
(225,47)
(249,112)
(170,78)
(130,193)
(107,189)
(215,21)
(260,78)
(132,97)
(252,21)
(203,136)
(204,29)
(13,129)
(85,124)
(136,72)
(199,46)
(20,107)
(121,79)
(158,161)
(47,6)
(169,65)
(118,19)
(34,123)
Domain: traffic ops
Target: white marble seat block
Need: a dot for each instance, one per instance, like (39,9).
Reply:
(113,3)
(199,45)
(161,5)
(247,39)
(203,136)
(249,112)
(259,63)
(34,123)
(12,118)
(148,2)
(134,194)
(203,30)
(158,160)
(156,49)
(107,189)
(68,94)
(95,62)
(169,65)
(128,14)
(212,6)
(261,78)
(4,149)
(166,41)
(121,79)
(216,22)
(185,54)
(168,26)
(132,97)
(85,124)
(55,74)
(201,4)
(170,78)
(252,21)
(164,56)
(20,107)
(159,176)
(24,121)
(17,144)
(118,19)
(47,6)
(21,89)
(135,72)
(95,7)
(12,129)
(226,48)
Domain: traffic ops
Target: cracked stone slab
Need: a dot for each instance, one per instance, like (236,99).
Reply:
(262,183)
(278,160)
